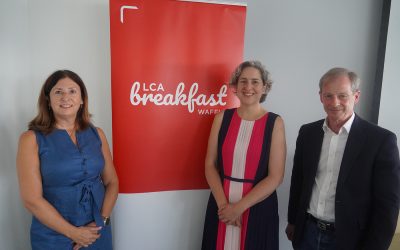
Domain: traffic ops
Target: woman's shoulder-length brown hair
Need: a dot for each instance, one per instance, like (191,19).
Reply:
(44,120)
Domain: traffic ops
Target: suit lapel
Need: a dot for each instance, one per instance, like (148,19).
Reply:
(354,144)
(315,147)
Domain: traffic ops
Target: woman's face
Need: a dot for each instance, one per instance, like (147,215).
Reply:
(65,99)
(250,86)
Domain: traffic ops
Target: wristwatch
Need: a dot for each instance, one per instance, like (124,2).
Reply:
(106,221)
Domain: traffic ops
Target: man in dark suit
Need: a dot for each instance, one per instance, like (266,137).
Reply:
(345,187)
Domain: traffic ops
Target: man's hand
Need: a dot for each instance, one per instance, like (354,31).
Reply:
(290,231)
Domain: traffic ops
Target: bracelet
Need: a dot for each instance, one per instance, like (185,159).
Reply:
(106,220)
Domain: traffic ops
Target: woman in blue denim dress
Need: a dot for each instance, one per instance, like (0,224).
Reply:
(66,174)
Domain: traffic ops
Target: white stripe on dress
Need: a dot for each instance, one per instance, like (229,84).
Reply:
(232,236)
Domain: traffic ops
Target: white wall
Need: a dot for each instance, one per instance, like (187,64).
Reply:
(298,42)
(14,111)
(390,102)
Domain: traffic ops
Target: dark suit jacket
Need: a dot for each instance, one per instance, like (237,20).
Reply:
(368,188)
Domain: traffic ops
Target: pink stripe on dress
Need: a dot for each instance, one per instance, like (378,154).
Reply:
(252,162)
(241,153)
(227,152)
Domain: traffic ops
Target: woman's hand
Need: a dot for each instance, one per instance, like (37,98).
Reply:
(78,246)
(85,235)
(238,222)
(230,214)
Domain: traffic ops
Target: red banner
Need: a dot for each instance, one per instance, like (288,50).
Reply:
(170,65)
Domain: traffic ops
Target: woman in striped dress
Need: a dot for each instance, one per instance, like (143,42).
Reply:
(244,165)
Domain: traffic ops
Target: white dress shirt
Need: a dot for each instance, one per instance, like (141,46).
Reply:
(322,204)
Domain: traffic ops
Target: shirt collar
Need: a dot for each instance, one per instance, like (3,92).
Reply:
(346,127)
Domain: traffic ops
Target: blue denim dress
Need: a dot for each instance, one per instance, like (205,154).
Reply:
(72,185)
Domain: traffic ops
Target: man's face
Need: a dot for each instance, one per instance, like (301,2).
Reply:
(338,99)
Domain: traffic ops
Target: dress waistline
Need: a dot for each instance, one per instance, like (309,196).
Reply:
(238,179)
(72,199)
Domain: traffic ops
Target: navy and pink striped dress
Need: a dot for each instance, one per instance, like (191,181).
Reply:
(243,156)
